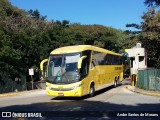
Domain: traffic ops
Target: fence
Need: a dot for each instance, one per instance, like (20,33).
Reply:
(149,79)
(36,85)
(7,84)
(18,83)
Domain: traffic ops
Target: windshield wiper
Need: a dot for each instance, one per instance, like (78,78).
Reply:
(65,76)
(56,75)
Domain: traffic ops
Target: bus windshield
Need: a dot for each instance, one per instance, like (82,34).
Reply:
(62,68)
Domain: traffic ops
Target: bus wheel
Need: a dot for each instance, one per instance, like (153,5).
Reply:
(92,90)
(118,81)
(115,82)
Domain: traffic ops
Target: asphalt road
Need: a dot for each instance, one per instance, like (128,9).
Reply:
(106,104)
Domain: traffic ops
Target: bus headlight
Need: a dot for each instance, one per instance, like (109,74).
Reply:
(49,86)
(77,77)
(76,86)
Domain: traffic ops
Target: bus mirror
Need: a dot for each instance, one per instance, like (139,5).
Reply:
(80,61)
(42,63)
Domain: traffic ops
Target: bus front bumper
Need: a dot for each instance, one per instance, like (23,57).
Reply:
(71,93)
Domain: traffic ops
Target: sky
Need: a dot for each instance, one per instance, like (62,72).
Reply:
(112,13)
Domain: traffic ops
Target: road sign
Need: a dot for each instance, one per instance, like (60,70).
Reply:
(31,71)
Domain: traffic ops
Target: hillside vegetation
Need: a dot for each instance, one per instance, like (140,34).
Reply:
(26,38)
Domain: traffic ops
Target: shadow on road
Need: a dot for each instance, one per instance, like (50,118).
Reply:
(83,109)
(76,109)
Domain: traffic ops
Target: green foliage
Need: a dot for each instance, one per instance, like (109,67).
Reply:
(149,34)
(151,3)
(26,38)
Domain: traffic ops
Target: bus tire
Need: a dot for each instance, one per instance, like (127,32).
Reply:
(118,81)
(91,91)
(115,82)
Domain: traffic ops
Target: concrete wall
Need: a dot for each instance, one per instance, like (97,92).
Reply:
(137,59)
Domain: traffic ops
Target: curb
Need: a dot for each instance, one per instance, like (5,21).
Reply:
(17,93)
(143,92)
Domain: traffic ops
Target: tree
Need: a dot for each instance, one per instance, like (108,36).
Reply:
(150,37)
(149,34)
(36,14)
(151,3)
(26,38)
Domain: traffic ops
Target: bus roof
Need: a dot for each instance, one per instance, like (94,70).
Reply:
(79,48)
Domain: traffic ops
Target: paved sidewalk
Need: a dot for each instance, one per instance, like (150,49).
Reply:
(21,92)
(142,91)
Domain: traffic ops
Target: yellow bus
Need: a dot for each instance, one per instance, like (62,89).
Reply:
(75,71)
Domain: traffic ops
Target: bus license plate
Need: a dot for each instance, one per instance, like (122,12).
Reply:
(60,94)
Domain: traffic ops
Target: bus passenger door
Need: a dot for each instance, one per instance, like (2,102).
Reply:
(93,75)
(83,67)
